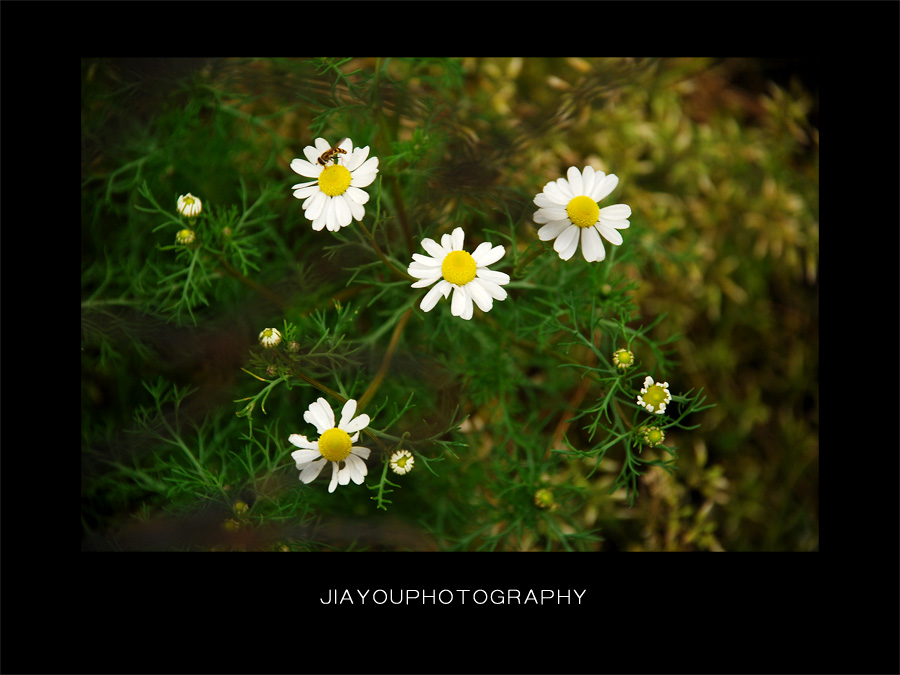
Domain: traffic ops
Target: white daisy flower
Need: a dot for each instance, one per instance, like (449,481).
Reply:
(189,205)
(270,337)
(467,275)
(569,207)
(402,462)
(654,396)
(335,445)
(334,197)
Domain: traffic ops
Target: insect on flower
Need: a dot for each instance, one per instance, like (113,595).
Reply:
(329,155)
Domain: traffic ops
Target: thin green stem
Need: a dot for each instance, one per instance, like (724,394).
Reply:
(386,361)
(265,292)
(396,272)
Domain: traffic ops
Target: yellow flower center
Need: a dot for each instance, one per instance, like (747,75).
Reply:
(624,358)
(335,445)
(334,180)
(458,268)
(655,396)
(543,498)
(583,211)
(654,436)
(185,236)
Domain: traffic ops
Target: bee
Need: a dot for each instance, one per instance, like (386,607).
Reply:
(329,155)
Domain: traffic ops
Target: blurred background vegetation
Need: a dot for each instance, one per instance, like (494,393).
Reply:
(718,159)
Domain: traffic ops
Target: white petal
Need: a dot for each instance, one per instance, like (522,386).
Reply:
(331,220)
(312,471)
(304,457)
(319,223)
(305,168)
(356,424)
(302,442)
(554,229)
(587,178)
(425,281)
(482,248)
(304,192)
(335,474)
(320,415)
(425,260)
(365,174)
(316,205)
(360,452)
(575,183)
(347,412)
(591,246)
(489,257)
(420,270)
(343,475)
(312,155)
(353,160)
(362,180)
(431,297)
(342,211)
(358,211)
(457,238)
(493,289)
(603,187)
(567,243)
(434,249)
(616,212)
(356,468)
(357,195)
(555,195)
(611,234)
(492,275)
(543,201)
(480,295)
(565,189)
(461,303)
(549,215)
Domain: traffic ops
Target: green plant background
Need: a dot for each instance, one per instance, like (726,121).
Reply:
(718,159)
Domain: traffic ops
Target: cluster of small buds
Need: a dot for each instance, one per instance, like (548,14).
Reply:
(623,359)
(652,435)
(270,337)
(402,462)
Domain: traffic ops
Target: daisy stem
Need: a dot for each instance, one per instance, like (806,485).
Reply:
(318,385)
(390,266)
(386,361)
(396,193)
(265,292)
(527,258)
(264,394)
